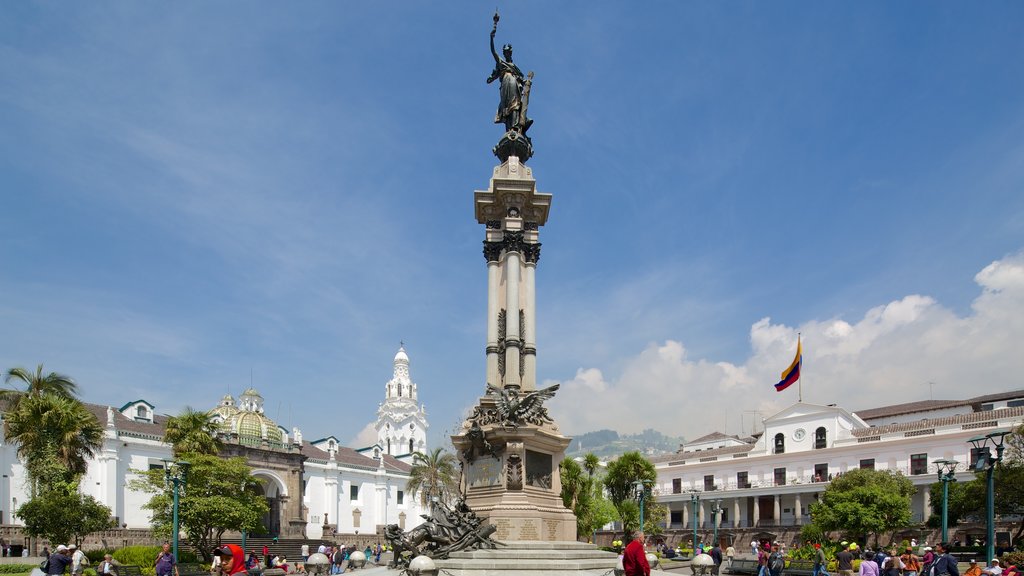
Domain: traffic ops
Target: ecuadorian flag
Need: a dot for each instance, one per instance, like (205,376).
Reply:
(791,374)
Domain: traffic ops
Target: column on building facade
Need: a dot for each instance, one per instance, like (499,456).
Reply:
(513,342)
(736,513)
(686,515)
(756,520)
(700,514)
(777,510)
(797,511)
(926,499)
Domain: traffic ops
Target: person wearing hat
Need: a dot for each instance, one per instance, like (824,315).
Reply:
(232,559)
(78,560)
(59,561)
(974,570)
(995,569)
(820,562)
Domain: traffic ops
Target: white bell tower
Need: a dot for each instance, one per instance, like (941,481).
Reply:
(401,420)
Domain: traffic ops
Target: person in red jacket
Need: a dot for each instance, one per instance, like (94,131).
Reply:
(634,558)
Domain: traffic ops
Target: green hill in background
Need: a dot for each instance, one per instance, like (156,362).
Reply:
(607,444)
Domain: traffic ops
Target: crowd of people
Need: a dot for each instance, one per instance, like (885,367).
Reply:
(228,560)
(772,560)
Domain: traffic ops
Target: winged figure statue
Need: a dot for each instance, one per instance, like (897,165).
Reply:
(515,409)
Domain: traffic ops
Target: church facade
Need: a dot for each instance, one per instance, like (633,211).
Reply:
(318,489)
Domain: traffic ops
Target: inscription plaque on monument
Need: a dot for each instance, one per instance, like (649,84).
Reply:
(483,472)
(538,469)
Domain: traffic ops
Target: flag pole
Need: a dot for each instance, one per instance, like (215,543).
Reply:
(800,377)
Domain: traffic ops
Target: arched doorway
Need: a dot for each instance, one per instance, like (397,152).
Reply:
(274,491)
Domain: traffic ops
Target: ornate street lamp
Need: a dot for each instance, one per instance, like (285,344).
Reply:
(175,475)
(947,474)
(988,463)
(694,501)
(641,491)
(714,519)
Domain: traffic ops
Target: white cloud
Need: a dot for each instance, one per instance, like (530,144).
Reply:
(366,437)
(887,356)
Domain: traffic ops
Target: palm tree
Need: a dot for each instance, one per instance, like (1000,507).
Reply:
(591,463)
(434,475)
(51,429)
(36,384)
(573,482)
(192,432)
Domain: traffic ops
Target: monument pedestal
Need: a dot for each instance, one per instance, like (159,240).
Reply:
(510,477)
(548,558)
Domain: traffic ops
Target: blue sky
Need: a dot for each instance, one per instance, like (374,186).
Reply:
(195,192)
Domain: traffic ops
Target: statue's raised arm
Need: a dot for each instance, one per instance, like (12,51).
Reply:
(497,61)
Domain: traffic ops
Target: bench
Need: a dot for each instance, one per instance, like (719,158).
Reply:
(743,567)
(129,570)
(191,570)
(799,568)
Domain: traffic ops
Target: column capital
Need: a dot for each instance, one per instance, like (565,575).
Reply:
(492,251)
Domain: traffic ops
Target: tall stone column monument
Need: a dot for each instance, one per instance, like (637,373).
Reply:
(509,447)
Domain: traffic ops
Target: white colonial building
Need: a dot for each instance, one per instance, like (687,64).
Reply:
(401,422)
(768,481)
(314,489)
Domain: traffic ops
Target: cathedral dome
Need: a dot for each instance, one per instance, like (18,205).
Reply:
(247,420)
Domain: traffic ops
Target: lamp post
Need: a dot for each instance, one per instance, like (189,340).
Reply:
(947,474)
(694,501)
(988,463)
(714,519)
(641,490)
(175,475)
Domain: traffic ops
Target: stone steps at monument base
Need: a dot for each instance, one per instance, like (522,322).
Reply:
(549,557)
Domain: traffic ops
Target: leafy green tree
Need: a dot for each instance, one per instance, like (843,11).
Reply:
(863,502)
(583,494)
(192,432)
(968,498)
(48,427)
(219,495)
(62,514)
(434,475)
(36,384)
(619,481)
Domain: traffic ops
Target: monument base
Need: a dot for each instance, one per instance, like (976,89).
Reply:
(511,477)
(549,558)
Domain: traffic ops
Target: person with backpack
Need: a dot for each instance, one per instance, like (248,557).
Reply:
(776,562)
(911,563)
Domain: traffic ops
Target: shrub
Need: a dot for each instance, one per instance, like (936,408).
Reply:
(1014,559)
(17,568)
(96,556)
